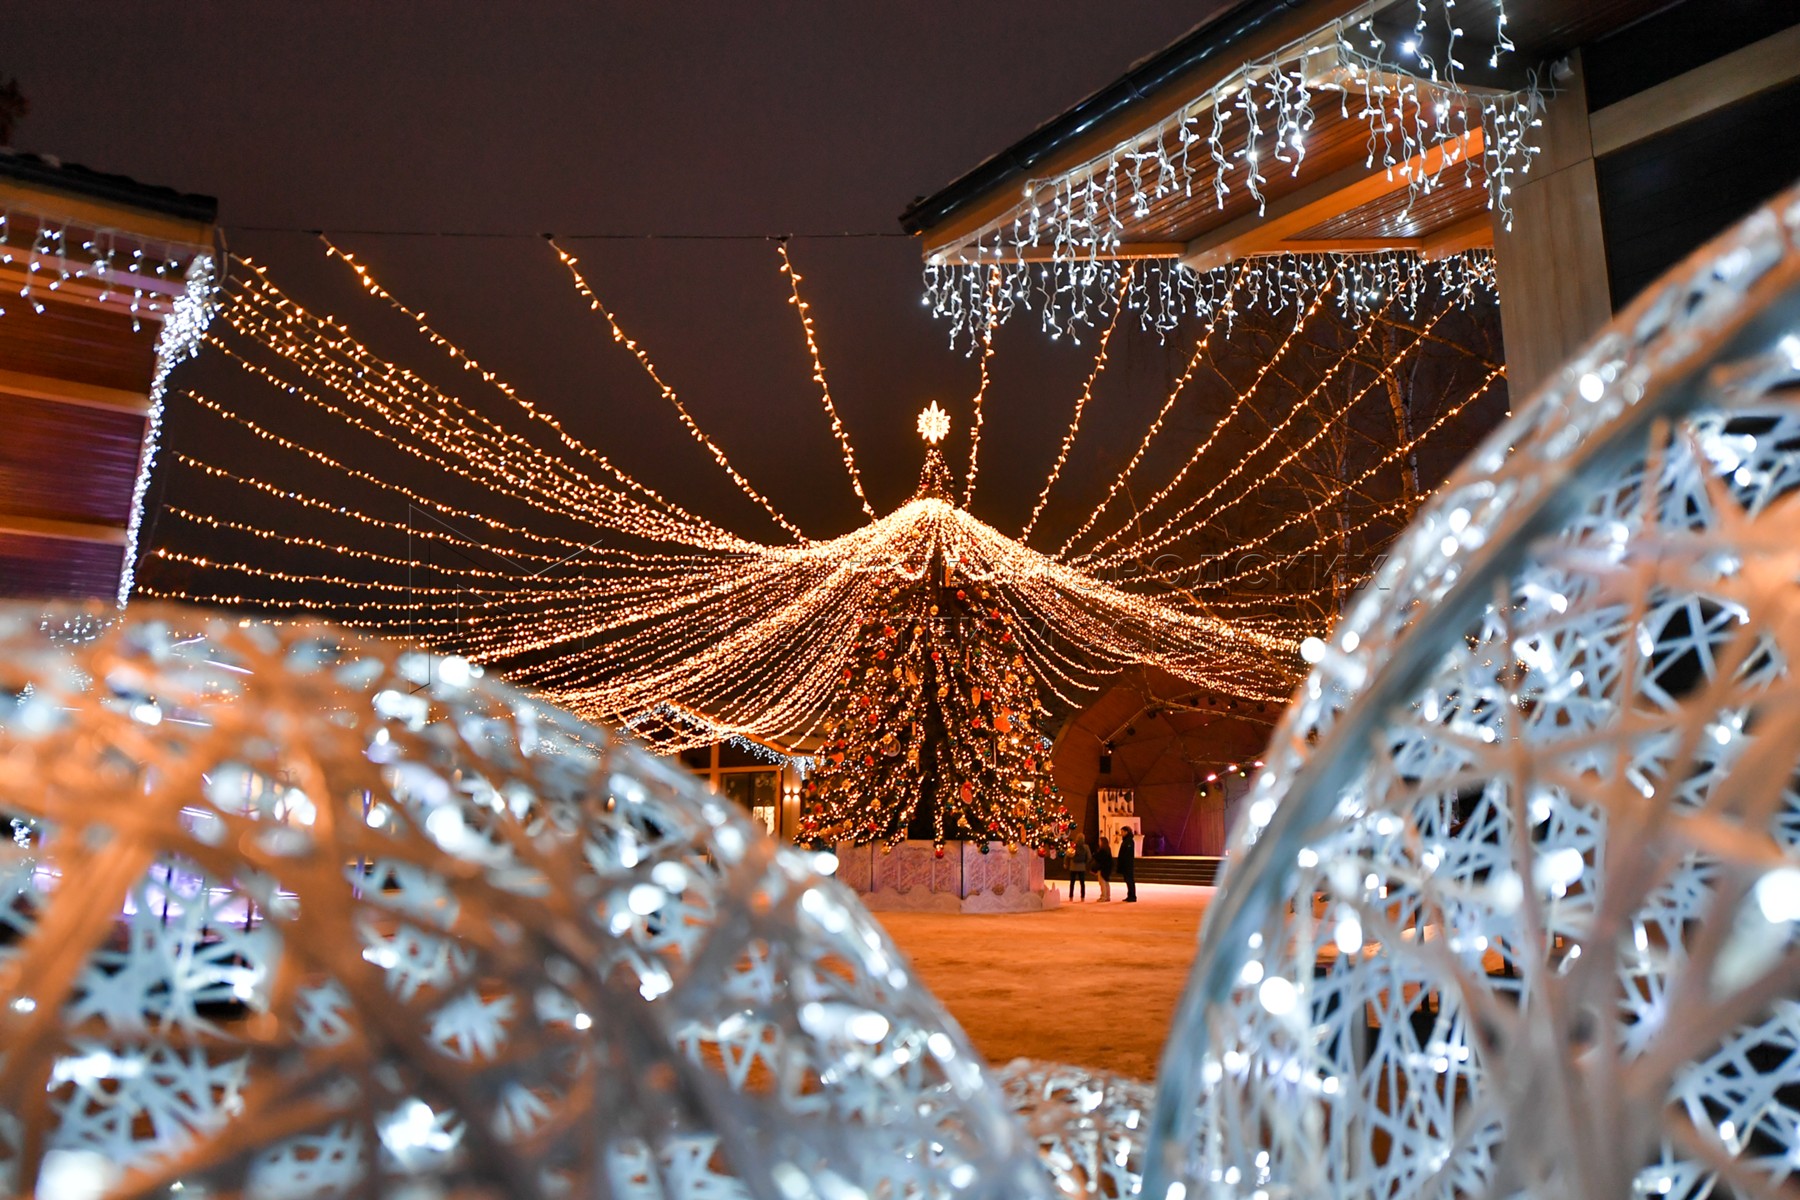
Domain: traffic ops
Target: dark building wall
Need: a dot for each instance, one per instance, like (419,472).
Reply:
(1664,197)
(1162,752)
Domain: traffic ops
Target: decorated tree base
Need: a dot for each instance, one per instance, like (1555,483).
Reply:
(911,877)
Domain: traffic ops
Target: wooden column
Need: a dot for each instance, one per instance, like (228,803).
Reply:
(1552,263)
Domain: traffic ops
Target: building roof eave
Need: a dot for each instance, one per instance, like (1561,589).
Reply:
(1205,46)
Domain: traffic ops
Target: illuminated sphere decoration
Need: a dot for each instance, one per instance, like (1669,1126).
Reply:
(289,914)
(1513,908)
(1091,1127)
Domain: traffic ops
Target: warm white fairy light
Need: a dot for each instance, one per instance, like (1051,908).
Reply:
(1081,403)
(990,322)
(1239,402)
(668,393)
(818,373)
(1173,528)
(443,430)
(690,631)
(1202,347)
(468,362)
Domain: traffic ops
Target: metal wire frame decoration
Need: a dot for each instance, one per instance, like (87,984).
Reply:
(1513,909)
(286,913)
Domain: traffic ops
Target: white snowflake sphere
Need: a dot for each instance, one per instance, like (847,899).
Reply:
(1513,908)
(1091,1127)
(286,913)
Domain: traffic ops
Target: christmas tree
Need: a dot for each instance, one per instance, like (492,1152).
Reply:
(932,732)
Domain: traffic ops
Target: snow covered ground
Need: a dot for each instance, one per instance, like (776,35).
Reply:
(1092,984)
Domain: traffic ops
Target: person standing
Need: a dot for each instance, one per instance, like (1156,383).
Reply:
(1078,868)
(1128,864)
(1103,867)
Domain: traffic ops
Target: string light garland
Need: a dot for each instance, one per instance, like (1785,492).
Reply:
(1163,293)
(685,632)
(1162,535)
(447,432)
(977,412)
(1422,127)
(178,340)
(56,254)
(818,374)
(668,393)
(1238,403)
(106,265)
(1081,403)
(1202,346)
(468,362)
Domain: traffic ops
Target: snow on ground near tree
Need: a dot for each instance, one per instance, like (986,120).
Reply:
(1091,984)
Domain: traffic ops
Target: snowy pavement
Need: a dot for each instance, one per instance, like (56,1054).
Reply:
(1092,984)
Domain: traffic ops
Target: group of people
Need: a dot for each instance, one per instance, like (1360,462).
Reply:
(1101,861)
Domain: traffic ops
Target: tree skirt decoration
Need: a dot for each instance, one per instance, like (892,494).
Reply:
(291,914)
(917,876)
(1513,910)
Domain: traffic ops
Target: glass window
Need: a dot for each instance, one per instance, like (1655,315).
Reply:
(731,755)
(752,789)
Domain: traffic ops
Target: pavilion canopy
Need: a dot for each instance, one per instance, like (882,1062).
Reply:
(1346,193)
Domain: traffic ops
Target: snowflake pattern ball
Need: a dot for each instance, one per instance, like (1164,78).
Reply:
(1513,912)
(291,914)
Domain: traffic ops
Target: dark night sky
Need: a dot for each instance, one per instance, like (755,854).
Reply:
(673,117)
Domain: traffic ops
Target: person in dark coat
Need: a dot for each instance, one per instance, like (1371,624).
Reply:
(1078,868)
(1103,868)
(1128,864)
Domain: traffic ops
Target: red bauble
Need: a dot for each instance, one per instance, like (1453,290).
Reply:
(961,595)
(939,852)
(868,760)
(1007,636)
(880,654)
